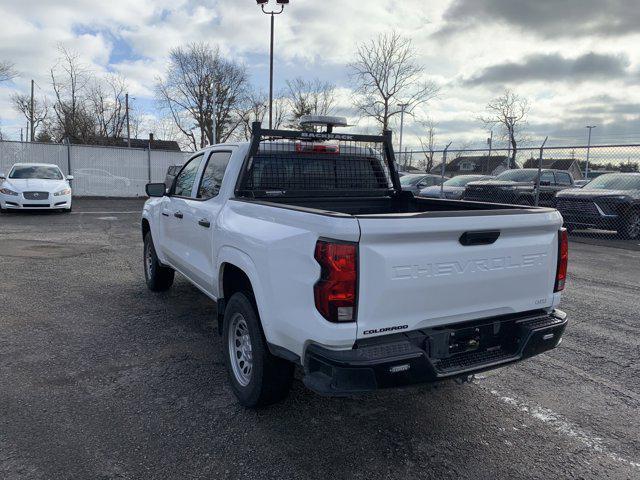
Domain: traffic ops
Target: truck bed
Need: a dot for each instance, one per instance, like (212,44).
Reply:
(404,205)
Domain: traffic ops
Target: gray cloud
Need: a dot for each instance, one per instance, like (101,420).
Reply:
(548,18)
(553,67)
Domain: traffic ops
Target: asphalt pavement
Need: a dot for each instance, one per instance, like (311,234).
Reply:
(101,378)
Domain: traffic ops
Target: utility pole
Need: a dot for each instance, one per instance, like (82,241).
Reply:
(31,111)
(402,106)
(586,168)
(126,106)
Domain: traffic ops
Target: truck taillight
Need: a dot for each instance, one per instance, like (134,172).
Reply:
(335,292)
(563,258)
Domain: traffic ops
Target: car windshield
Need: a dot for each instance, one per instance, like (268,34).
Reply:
(410,180)
(462,180)
(614,181)
(36,171)
(518,175)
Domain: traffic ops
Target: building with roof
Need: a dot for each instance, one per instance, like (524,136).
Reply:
(474,165)
(570,165)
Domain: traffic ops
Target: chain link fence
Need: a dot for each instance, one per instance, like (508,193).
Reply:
(97,171)
(595,188)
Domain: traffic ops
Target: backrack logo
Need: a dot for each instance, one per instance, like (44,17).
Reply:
(328,136)
(478,265)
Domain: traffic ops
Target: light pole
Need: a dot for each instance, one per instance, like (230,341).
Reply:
(262,4)
(126,103)
(586,168)
(402,106)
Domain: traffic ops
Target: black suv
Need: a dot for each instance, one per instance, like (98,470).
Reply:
(608,202)
(518,187)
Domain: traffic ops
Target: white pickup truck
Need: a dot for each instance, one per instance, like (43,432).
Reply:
(317,258)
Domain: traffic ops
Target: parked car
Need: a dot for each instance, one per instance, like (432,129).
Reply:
(316,257)
(172,171)
(519,186)
(35,186)
(414,182)
(453,188)
(609,202)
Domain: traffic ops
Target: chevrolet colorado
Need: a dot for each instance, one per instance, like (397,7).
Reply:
(317,258)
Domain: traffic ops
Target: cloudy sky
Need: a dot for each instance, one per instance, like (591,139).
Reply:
(578,61)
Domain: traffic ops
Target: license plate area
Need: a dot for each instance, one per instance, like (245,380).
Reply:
(488,337)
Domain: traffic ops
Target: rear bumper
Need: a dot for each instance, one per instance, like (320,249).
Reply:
(431,355)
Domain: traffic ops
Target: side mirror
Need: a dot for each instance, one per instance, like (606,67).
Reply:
(69,177)
(156,189)
(545,183)
(2,176)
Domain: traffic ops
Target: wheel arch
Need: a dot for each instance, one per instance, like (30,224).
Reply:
(146,227)
(237,272)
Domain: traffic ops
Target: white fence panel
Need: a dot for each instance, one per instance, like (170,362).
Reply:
(22,152)
(98,171)
(109,172)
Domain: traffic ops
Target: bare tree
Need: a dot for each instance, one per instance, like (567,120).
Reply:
(7,71)
(428,143)
(198,83)
(106,101)
(508,112)
(70,80)
(22,103)
(386,73)
(309,97)
(255,109)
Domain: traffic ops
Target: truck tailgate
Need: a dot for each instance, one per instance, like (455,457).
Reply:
(415,272)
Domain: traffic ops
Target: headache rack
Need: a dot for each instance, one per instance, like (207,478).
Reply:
(285,163)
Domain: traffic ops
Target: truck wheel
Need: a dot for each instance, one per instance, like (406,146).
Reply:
(257,377)
(631,225)
(158,277)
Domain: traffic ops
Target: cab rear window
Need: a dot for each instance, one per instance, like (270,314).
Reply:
(293,172)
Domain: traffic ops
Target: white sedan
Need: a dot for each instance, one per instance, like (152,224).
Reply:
(37,186)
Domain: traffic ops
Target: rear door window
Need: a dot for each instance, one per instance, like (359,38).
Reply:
(213,175)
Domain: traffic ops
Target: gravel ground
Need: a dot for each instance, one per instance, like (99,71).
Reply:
(100,378)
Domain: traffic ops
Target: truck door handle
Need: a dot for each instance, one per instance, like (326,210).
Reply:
(486,237)
(178,214)
(203,222)
(165,214)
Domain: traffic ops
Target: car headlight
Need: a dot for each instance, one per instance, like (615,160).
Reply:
(66,191)
(6,191)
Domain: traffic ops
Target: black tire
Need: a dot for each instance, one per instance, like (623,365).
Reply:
(631,225)
(158,277)
(269,379)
